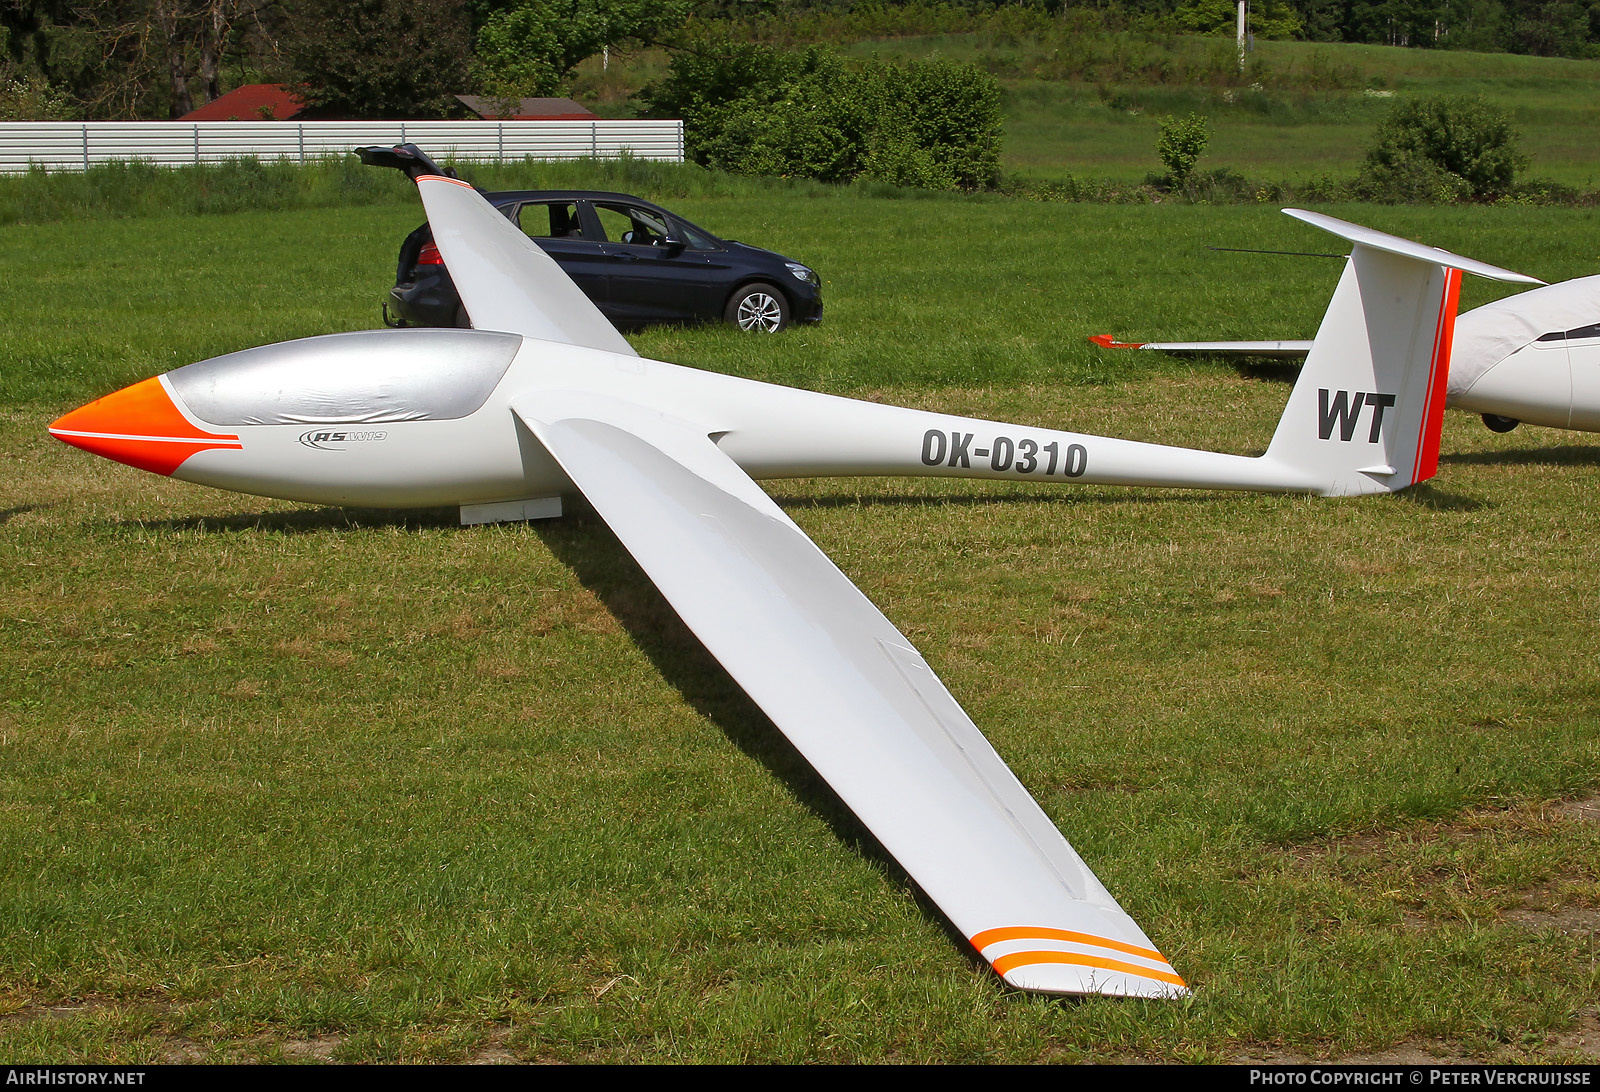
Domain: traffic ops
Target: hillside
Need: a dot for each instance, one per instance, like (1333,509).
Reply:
(1089,104)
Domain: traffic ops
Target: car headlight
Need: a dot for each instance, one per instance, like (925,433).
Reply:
(801,273)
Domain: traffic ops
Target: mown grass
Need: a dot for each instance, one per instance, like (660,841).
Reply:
(1031,279)
(281,781)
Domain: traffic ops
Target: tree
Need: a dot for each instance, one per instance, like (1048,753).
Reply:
(1549,29)
(1268,18)
(378,58)
(129,58)
(529,47)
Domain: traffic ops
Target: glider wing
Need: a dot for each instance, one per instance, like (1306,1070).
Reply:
(851,694)
(505,281)
(1286,349)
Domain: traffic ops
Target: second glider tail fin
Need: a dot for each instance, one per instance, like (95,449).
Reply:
(1366,412)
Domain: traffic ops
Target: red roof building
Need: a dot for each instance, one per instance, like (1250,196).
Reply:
(252,102)
(275,102)
(527,110)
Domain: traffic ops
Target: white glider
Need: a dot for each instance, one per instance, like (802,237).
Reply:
(544,398)
(1531,357)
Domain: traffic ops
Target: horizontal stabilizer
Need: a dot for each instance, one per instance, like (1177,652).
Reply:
(1405,248)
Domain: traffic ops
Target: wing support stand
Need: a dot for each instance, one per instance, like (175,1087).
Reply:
(517,511)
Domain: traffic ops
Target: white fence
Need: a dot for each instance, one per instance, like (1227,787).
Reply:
(75,145)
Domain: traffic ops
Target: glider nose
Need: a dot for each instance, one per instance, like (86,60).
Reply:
(139,425)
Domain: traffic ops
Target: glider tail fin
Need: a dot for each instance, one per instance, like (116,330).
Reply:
(1366,413)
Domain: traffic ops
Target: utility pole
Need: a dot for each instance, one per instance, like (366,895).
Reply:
(1241,35)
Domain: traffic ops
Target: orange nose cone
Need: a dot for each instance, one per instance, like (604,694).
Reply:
(140,426)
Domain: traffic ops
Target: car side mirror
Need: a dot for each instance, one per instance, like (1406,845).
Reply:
(672,245)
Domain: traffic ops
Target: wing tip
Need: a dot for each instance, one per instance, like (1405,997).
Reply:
(1096,982)
(421,178)
(1050,960)
(1108,342)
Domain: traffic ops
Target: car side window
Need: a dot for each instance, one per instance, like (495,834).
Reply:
(550,220)
(630,224)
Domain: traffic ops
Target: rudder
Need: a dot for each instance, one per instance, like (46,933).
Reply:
(1366,413)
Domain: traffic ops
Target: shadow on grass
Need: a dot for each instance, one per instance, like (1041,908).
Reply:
(300,521)
(319,520)
(974,500)
(1568,455)
(7,513)
(1265,368)
(583,542)
(1269,369)
(1428,495)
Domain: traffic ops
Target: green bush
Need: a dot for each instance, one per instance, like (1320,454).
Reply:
(1410,181)
(751,109)
(1180,145)
(938,121)
(1450,146)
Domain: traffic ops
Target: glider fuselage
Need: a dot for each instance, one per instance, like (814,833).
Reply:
(1552,383)
(403,442)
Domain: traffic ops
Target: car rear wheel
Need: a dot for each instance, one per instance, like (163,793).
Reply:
(758,308)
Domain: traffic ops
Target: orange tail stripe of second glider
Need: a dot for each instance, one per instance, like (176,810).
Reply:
(140,426)
(1427,464)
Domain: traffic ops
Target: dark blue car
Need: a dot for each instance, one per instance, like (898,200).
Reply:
(638,262)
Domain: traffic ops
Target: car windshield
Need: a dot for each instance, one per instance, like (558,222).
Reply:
(697,239)
(631,224)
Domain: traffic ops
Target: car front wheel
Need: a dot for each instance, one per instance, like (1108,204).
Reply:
(758,308)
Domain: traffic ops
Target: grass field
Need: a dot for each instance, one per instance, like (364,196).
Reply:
(292,783)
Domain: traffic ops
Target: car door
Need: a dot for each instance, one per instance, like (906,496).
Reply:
(651,281)
(559,227)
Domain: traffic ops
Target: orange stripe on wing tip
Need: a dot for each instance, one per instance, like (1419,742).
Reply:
(1027,959)
(982,940)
